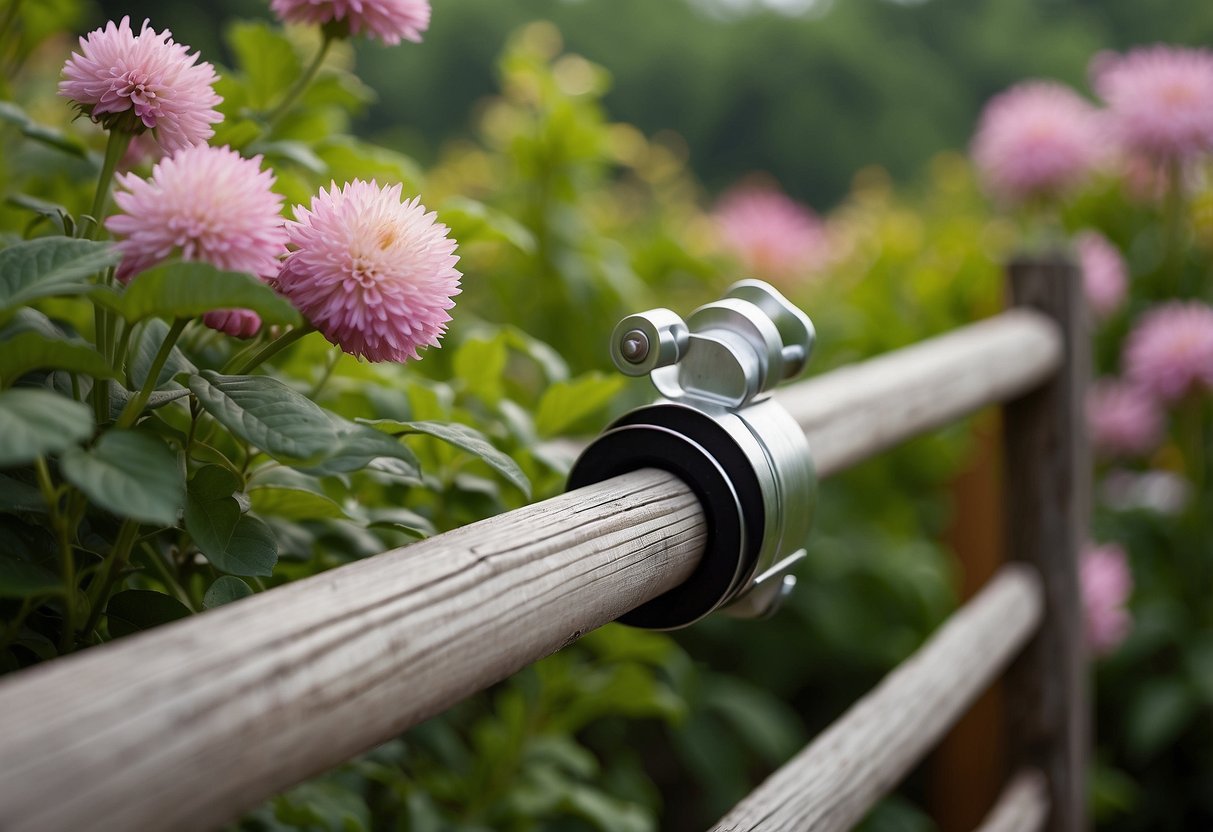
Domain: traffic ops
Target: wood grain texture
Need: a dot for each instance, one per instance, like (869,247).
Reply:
(1047,476)
(855,412)
(1023,805)
(184,727)
(834,781)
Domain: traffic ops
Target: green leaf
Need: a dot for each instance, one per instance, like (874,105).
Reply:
(231,540)
(18,496)
(282,492)
(225,590)
(187,290)
(269,415)
(135,610)
(131,473)
(34,351)
(266,58)
(471,221)
(146,344)
(400,519)
(50,266)
(35,423)
(40,132)
(358,447)
(21,579)
(566,403)
(480,364)
(347,158)
(464,438)
(1158,714)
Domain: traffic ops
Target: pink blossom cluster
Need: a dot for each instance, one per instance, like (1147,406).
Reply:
(388,20)
(1106,584)
(1041,139)
(771,235)
(1124,419)
(1105,275)
(373,272)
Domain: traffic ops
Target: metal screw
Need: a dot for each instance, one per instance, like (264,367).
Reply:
(635,346)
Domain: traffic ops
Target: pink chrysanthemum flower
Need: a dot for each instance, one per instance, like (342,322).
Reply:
(1170,351)
(388,20)
(1123,419)
(238,323)
(375,275)
(145,81)
(771,235)
(1160,99)
(1105,276)
(1106,584)
(205,203)
(1037,139)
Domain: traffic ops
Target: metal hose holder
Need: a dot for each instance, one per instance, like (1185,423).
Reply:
(717,428)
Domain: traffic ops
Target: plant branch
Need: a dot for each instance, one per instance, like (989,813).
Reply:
(135,406)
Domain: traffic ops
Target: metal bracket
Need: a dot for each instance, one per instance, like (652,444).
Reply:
(717,428)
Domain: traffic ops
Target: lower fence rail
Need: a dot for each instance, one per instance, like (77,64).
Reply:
(835,780)
(1023,805)
(188,725)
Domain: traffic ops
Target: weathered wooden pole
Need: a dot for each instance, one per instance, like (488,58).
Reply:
(1047,492)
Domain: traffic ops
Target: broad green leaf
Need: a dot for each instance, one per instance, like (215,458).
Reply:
(145,344)
(480,365)
(231,540)
(347,158)
(187,290)
(33,351)
(30,320)
(266,58)
(134,610)
(131,473)
(40,132)
(464,438)
(21,579)
(358,447)
(38,422)
(225,590)
(400,519)
(50,266)
(269,415)
(471,221)
(283,492)
(1159,713)
(566,403)
(18,496)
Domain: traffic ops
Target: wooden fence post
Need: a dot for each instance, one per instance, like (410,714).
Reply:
(1047,492)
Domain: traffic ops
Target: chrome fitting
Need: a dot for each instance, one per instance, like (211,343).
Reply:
(717,429)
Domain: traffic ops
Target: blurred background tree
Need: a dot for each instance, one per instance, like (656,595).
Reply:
(811,90)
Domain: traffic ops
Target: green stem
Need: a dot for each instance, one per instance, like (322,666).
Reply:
(300,86)
(166,576)
(115,149)
(329,366)
(10,16)
(67,559)
(135,406)
(124,343)
(268,351)
(111,571)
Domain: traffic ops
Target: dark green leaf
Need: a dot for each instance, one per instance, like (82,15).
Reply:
(225,590)
(1158,714)
(50,266)
(187,290)
(360,447)
(464,438)
(18,496)
(34,351)
(145,344)
(134,610)
(231,540)
(268,415)
(131,473)
(21,579)
(39,422)
(566,403)
(282,492)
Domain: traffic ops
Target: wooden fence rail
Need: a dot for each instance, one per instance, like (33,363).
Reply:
(832,783)
(186,726)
